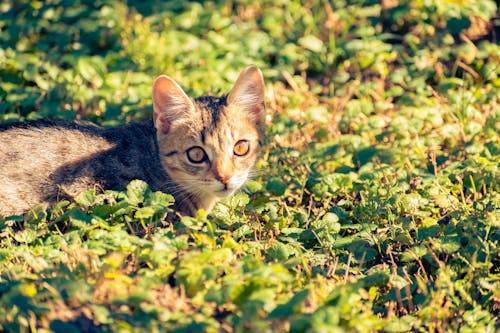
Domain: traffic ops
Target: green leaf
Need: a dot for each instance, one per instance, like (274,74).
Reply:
(25,236)
(144,213)
(41,82)
(136,192)
(160,199)
(447,245)
(86,198)
(317,113)
(294,305)
(276,186)
(93,70)
(329,223)
(240,199)
(253,186)
(278,251)
(312,43)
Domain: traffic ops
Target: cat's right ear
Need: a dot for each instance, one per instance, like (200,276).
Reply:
(248,93)
(170,103)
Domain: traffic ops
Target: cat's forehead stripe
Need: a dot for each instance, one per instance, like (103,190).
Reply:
(211,109)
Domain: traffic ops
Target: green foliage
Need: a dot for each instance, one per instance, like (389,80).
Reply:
(376,204)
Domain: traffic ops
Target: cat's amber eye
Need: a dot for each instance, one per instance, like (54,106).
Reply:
(196,155)
(241,148)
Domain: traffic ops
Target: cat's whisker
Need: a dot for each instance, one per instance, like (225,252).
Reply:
(254,173)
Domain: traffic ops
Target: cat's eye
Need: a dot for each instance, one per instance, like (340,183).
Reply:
(241,148)
(196,155)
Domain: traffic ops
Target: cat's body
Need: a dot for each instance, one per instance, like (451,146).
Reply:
(198,150)
(70,157)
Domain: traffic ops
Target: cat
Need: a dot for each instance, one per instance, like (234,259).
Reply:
(199,150)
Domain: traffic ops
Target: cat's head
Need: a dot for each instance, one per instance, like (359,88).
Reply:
(209,145)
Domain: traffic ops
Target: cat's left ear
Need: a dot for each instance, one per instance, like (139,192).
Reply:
(170,103)
(248,93)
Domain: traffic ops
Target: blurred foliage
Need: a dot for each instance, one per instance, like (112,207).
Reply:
(377,203)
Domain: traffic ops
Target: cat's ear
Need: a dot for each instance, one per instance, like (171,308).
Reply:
(170,103)
(248,93)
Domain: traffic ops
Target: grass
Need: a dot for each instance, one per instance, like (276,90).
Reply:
(377,203)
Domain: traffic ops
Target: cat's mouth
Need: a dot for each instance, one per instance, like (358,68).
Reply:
(224,192)
(212,188)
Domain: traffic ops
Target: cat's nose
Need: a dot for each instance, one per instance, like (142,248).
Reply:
(222,172)
(224,179)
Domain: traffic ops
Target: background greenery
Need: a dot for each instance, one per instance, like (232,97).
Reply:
(377,203)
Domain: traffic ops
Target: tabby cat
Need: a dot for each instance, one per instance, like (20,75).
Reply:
(199,150)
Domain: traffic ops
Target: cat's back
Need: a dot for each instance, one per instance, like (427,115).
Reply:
(49,140)
(46,130)
(31,152)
